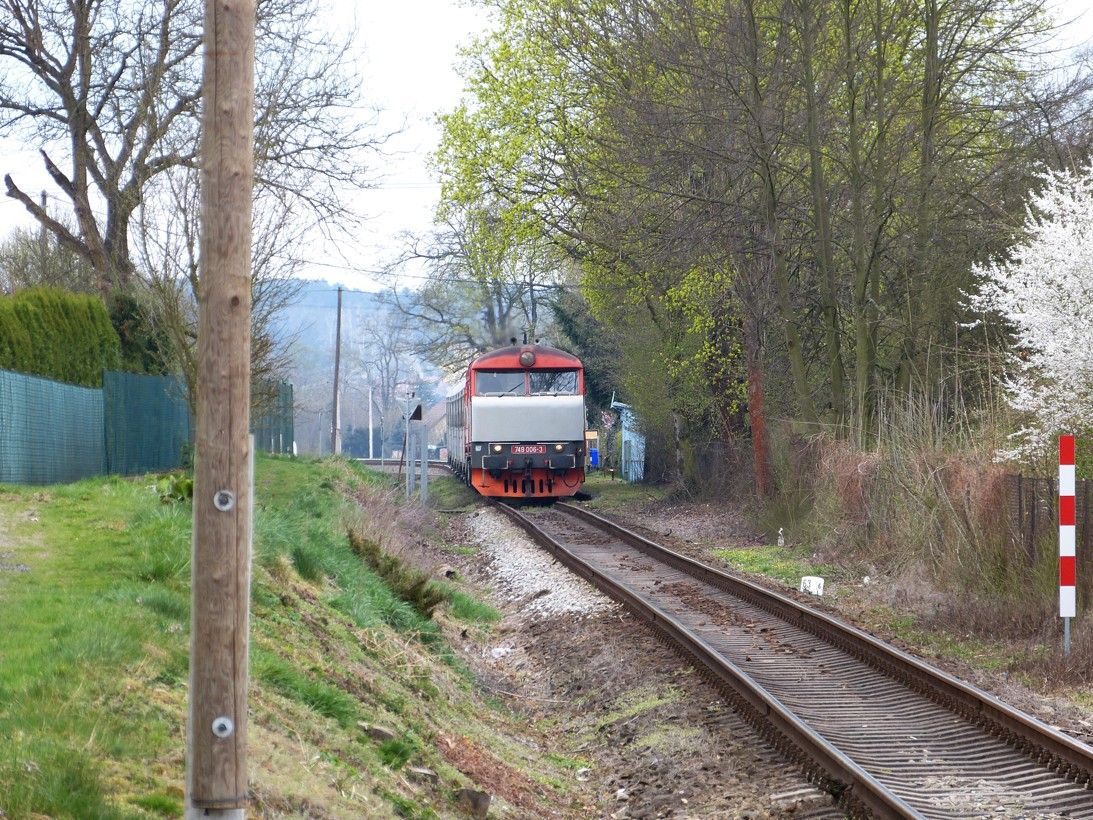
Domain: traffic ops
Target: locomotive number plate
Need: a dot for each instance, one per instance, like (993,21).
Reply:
(527,449)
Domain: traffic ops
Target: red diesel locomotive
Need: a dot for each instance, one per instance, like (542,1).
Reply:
(516,428)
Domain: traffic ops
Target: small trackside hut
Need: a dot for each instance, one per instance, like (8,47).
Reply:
(516,428)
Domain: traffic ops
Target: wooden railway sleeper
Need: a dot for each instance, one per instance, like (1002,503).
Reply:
(785,731)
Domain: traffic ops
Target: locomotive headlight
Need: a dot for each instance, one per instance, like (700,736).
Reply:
(497,448)
(527,358)
(559,447)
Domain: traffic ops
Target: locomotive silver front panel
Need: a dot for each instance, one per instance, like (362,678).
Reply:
(527,418)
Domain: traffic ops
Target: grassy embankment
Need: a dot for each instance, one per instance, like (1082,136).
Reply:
(94,654)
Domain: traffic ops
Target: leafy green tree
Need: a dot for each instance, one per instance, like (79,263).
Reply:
(839,162)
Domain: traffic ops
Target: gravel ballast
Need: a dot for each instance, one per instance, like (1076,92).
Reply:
(527,575)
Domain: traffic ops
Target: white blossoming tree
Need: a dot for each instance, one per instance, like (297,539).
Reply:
(1044,291)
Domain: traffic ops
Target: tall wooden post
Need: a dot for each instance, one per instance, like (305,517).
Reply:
(216,761)
(336,412)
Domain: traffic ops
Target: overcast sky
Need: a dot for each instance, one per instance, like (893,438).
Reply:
(408,51)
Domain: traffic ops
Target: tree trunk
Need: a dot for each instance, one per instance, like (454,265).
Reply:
(864,351)
(769,211)
(757,417)
(829,299)
(677,434)
(918,273)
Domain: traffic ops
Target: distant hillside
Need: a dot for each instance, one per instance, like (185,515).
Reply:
(312,317)
(308,324)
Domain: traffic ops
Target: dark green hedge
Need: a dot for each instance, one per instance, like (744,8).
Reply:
(60,335)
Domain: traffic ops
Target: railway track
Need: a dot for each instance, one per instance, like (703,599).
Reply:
(884,733)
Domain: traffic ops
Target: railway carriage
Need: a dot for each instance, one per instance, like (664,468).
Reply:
(516,428)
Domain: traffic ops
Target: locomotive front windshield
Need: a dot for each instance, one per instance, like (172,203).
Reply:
(553,382)
(500,383)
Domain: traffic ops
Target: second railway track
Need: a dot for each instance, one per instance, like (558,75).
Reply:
(882,731)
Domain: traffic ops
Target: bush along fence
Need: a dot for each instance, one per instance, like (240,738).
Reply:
(52,432)
(1034,515)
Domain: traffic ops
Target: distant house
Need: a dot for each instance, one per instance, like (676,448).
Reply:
(632,458)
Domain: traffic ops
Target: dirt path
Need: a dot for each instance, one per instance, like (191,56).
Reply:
(17,554)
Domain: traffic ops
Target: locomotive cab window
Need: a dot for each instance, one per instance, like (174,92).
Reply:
(554,382)
(499,383)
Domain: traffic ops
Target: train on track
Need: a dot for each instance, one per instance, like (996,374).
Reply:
(516,429)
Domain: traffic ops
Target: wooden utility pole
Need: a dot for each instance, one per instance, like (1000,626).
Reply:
(336,415)
(216,760)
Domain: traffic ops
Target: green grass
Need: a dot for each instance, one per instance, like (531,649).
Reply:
(449,493)
(787,564)
(463,607)
(615,495)
(161,804)
(307,527)
(570,763)
(168,603)
(287,680)
(463,549)
(105,609)
(397,752)
(637,701)
(96,591)
(92,683)
(982,653)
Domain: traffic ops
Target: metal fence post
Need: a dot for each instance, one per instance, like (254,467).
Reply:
(1084,566)
(408,457)
(1032,523)
(424,441)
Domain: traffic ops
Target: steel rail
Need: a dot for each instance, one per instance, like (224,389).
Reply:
(856,790)
(1050,747)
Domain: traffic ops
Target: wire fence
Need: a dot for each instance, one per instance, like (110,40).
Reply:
(146,421)
(274,428)
(51,432)
(1034,515)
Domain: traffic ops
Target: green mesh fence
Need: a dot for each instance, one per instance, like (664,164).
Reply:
(147,422)
(273,429)
(52,432)
(49,432)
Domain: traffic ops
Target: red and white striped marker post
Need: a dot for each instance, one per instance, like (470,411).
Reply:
(1067,594)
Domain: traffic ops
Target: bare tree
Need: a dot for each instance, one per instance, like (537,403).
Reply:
(167,249)
(29,258)
(110,92)
(480,293)
(384,361)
